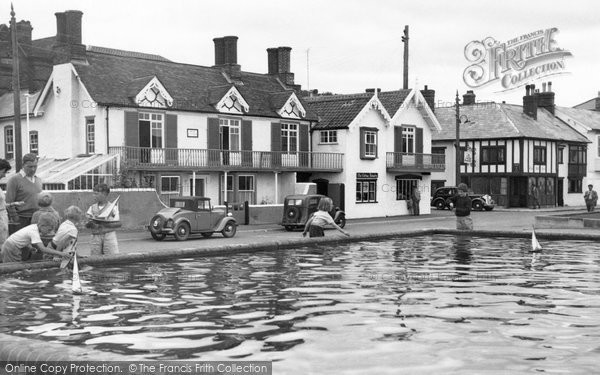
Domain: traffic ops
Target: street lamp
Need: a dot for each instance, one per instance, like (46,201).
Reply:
(459,120)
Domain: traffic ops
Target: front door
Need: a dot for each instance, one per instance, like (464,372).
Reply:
(559,192)
(198,188)
(518,192)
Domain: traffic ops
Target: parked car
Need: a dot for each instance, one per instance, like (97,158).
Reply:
(190,215)
(298,208)
(441,199)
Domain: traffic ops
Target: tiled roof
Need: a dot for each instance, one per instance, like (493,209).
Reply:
(7,108)
(493,120)
(586,117)
(338,111)
(111,78)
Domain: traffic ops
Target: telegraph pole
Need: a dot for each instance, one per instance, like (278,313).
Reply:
(16,92)
(457,110)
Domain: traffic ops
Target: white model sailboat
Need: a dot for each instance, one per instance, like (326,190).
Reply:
(107,210)
(535,245)
(76,284)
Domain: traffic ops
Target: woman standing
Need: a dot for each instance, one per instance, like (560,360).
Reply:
(4,168)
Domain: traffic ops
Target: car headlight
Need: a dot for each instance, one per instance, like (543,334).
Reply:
(169,223)
(229,214)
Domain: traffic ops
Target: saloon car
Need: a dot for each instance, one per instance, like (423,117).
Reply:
(191,215)
(441,199)
(298,208)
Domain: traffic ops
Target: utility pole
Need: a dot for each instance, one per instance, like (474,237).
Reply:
(16,92)
(405,41)
(307,71)
(457,110)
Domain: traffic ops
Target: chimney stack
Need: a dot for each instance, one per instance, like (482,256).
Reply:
(279,63)
(68,37)
(469,98)
(226,56)
(429,96)
(546,98)
(597,106)
(530,103)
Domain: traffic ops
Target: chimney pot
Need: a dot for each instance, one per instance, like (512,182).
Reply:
(549,86)
(544,87)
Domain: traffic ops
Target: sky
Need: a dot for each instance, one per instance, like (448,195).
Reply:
(343,46)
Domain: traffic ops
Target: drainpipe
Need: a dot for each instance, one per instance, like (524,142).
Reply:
(276,188)
(107,132)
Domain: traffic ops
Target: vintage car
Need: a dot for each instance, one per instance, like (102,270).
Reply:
(190,215)
(441,199)
(298,208)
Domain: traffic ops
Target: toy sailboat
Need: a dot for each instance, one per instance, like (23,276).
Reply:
(76,285)
(107,211)
(535,245)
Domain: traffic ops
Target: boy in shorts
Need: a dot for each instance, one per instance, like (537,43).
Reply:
(103,220)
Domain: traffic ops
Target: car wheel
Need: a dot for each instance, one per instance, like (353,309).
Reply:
(229,230)
(440,205)
(477,206)
(182,231)
(158,236)
(156,224)
(289,228)
(341,222)
(207,234)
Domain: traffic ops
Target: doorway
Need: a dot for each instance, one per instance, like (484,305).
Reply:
(518,192)
(559,191)
(197,189)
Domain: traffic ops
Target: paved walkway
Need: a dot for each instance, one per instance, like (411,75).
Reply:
(139,245)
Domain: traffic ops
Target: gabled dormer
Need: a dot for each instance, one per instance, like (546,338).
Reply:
(154,95)
(292,108)
(233,102)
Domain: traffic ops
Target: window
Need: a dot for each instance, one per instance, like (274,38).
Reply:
(408,139)
(539,155)
(169,184)
(462,153)
(560,155)
(368,143)
(575,185)
(404,188)
(366,191)
(155,120)
(328,136)
(598,140)
(289,138)
(577,155)
(246,188)
(438,150)
(230,134)
(492,155)
(90,135)
(34,146)
(9,142)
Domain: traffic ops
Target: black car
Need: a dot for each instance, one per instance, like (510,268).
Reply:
(298,208)
(441,199)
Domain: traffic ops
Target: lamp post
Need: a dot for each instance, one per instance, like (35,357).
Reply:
(457,171)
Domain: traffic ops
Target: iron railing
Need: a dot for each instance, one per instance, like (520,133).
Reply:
(201,159)
(411,162)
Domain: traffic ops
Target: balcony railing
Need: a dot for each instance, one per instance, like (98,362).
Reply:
(199,159)
(410,162)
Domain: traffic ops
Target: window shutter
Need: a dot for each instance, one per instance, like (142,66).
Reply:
(419,141)
(246,134)
(376,145)
(361,141)
(132,130)
(276,143)
(171,138)
(398,139)
(304,139)
(213,143)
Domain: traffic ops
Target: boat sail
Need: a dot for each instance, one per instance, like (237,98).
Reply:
(107,210)
(535,245)
(76,284)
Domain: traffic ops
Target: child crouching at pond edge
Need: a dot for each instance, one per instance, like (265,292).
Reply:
(315,225)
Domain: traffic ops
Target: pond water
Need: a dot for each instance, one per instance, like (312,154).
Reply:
(433,304)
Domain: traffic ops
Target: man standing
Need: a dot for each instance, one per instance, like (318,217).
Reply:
(591,198)
(416,199)
(24,186)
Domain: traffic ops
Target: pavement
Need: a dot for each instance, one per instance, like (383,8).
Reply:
(135,246)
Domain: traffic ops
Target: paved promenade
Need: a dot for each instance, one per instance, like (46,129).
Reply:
(139,245)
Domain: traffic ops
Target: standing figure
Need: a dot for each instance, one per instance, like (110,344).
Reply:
(315,225)
(25,186)
(4,168)
(462,208)
(536,197)
(591,198)
(416,199)
(103,219)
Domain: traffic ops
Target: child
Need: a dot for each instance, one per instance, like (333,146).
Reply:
(320,218)
(462,208)
(67,233)
(22,241)
(103,220)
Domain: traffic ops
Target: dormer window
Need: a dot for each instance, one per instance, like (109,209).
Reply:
(154,95)
(233,102)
